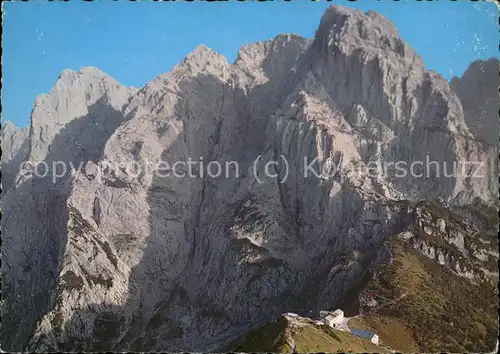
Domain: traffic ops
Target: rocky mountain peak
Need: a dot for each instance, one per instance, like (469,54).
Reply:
(204,59)
(265,61)
(85,79)
(8,127)
(349,30)
(14,151)
(74,95)
(478,93)
(261,48)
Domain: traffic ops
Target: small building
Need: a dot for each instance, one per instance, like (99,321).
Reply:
(372,337)
(334,318)
(290,314)
(338,314)
(329,320)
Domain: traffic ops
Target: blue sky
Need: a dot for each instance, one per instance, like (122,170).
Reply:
(134,42)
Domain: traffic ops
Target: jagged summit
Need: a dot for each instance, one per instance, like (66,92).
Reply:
(340,18)
(82,80)
(483,65)
(349,30)
(8,126)
(271,60)
(83,75)
(203,58)
(278,41)
(73,95)
(14,151)
(478,92)
(202,51)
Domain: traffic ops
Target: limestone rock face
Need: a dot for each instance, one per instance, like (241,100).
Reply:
(460,246)
(14,152)
(113,256)
(478,92)
(361,61)
(69,126)
(75,96)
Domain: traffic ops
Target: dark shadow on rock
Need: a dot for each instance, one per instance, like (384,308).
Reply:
(186,293)
(30,293)
(151,321)
(177,297)
(10,169)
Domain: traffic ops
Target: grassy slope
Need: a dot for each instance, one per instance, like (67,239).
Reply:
(314,338)
(391,331)
(308,337)
(269,338)
(439,312)
(445,312)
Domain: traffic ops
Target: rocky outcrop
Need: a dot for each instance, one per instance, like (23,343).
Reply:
(478,92)
(76,98)
(14,152)
(437,275)
(443,236)
(123,258)
(69,126)
(361,60)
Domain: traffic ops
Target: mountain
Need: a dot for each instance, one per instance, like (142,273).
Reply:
(431,287)
(14,152)
(440,281)
(104,255)
(302,335)
(478,92)
(69,125)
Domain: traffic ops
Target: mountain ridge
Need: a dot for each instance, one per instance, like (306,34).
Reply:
(126,262)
